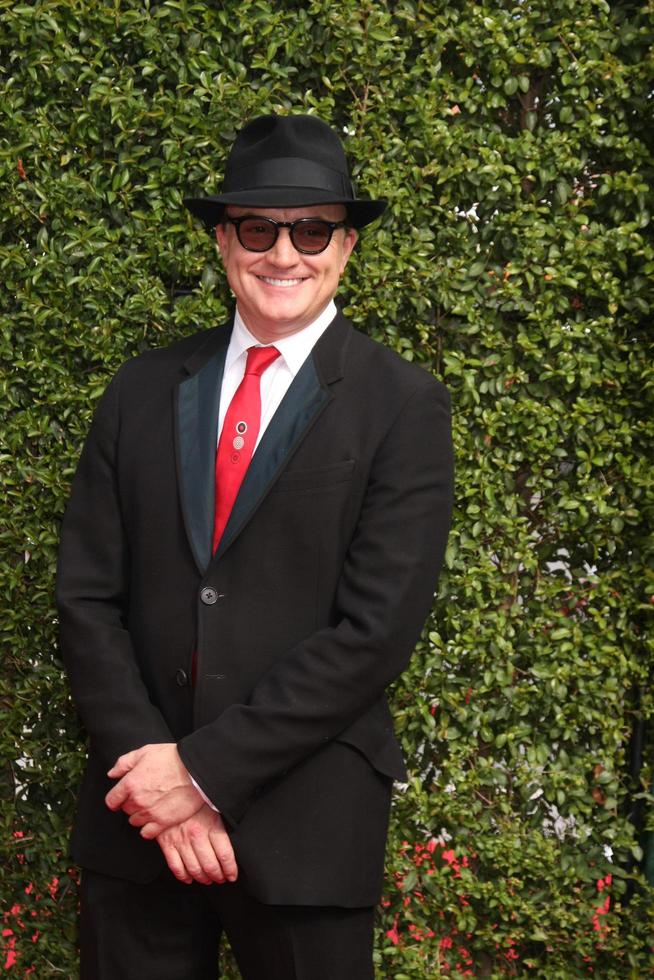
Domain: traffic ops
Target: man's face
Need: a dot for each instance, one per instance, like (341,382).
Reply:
(280,291)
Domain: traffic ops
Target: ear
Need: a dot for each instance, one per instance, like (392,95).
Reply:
(349,241)
(221,238)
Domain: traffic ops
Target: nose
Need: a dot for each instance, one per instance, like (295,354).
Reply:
(283,253)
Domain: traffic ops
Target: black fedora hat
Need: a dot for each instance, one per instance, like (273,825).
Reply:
(286,162)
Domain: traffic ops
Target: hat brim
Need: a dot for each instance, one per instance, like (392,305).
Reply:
(210,210)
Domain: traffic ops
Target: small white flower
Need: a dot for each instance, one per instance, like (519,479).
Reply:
(557,825)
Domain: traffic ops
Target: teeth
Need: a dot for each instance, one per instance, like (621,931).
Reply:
(280,282)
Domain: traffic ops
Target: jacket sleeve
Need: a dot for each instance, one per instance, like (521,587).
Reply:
(326,682)
(92,589)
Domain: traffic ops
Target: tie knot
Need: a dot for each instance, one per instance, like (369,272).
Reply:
(259,358)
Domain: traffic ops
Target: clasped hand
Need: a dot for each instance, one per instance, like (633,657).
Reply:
(155,790)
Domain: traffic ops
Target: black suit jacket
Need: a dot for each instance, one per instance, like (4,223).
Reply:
(309,609)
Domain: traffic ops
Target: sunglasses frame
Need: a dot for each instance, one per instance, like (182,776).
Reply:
(291,225)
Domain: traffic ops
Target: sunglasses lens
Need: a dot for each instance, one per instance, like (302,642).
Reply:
(311,235)
(257,234)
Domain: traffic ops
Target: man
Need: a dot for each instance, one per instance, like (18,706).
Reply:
(249,553)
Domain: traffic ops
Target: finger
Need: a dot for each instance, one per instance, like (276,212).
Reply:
(203,879)
(151,830)
(207,859)
(117,795)
(138,818)
(180,855)
(224,852)
(176,805)
(197,850)
(175,862)
(193,864)
(123,764)
(129,797)
(182,862)
(169,809)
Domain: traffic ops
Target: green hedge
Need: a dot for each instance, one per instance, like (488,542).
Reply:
(514,143)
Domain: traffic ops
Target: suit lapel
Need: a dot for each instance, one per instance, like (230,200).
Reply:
(306,398)
(197,405)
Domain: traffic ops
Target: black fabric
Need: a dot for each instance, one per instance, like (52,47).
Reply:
(286,161)
(160,931)
(166,930)
(293,172)
(293,942)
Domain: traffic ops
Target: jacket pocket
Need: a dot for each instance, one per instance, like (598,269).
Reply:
(372,734)
(315,479)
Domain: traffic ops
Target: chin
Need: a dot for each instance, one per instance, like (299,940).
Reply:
(284,315)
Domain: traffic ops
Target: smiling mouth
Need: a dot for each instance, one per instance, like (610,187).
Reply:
(280,282)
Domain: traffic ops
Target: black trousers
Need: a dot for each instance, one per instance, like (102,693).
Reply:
(166,930)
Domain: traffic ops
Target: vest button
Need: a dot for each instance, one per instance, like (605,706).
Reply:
(181,677)
(209,596)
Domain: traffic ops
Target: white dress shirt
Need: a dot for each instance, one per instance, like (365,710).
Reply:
(276,379)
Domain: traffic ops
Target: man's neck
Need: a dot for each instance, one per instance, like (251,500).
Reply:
(266,335)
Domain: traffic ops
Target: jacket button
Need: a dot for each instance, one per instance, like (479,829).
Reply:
(208,596)
(181,677)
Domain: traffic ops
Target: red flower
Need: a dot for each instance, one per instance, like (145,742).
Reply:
(393,933)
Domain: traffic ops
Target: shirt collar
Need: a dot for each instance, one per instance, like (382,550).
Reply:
(294,349)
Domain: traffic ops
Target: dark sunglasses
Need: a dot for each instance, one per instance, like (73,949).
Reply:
(308,235)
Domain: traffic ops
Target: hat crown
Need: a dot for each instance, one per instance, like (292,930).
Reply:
(286,162)
(273,137)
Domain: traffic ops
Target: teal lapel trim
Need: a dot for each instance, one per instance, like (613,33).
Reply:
(300,407)
(197,427)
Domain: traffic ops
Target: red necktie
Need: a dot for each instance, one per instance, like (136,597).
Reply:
(239,436)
